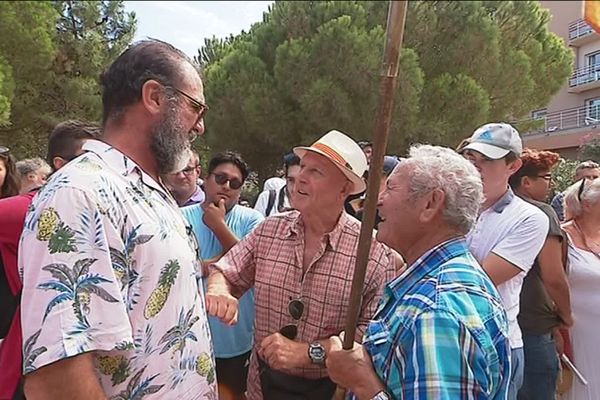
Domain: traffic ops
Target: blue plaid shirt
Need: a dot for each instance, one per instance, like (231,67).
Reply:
(441,331)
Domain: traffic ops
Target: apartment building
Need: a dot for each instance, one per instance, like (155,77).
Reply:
(574,112)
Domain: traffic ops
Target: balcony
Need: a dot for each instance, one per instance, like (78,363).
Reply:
(585,78)
(581,33)
(560,131)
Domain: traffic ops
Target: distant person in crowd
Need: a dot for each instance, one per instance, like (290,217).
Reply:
(275,200)
(185,184)
(110,307)
(509,232)
(389,163)
(441,330)
(583,232)
(301,265)
(586,169)
(10,181)
(66,140)
(64,144)
(34,173)
(219,223)
(367,148)
(545,299)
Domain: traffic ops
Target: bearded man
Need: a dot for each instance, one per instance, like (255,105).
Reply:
(110,304)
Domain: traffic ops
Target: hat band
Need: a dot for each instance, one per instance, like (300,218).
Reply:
(334,155)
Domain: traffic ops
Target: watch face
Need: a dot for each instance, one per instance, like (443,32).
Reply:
(316,353)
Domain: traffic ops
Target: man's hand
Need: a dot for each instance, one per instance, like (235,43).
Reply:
(219,302)
(282,353)
(214,215)
(352,369)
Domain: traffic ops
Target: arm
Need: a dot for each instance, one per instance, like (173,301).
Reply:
(49,382)
(554,278)
(498,269)
(517,251)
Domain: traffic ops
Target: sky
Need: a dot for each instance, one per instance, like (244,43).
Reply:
(185,24)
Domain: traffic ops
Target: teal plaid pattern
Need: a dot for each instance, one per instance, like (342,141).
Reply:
(441,331)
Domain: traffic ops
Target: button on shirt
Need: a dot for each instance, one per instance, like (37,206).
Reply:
(108,267)
(441,331)
(271,260)
(515,231)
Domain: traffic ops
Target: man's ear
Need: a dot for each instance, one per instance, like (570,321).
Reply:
(515,166)
(58,163)
(434,204)
(153,96)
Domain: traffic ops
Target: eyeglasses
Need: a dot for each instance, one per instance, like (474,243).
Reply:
(4,151)
(234,183)
(581,188)
(189,170)
(547,177)
(296,309)
(200,107)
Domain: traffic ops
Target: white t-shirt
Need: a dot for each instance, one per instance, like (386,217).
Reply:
(263,201)
(516,231)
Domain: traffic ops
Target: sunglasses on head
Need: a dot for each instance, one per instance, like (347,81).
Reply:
(296,309)
(4,151)
(234,183)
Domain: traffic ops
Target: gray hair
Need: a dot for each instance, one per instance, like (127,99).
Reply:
(589,164)
(590,194)
(31,165)
(435,167)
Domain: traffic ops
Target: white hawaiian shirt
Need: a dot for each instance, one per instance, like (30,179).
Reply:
(109,266)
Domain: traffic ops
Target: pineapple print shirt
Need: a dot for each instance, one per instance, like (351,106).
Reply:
(109,266)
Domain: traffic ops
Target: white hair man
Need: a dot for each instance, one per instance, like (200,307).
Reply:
(440,331)
(301,265)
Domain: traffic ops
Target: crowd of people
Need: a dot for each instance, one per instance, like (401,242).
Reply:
(129,273)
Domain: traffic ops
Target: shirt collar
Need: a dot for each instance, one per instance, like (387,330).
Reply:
(426,265)
(504,201)
(120,163)
(197,197)
(332,238)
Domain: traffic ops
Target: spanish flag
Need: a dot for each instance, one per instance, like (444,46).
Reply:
(591,14)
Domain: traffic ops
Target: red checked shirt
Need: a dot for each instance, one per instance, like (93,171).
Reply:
(270,259)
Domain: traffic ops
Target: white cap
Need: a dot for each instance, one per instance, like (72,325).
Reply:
(495,141)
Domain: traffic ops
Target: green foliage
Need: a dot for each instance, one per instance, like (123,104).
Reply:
(309,67)
(590,148)
(56,51)
(563,173)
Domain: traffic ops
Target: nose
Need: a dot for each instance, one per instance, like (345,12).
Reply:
(198,127)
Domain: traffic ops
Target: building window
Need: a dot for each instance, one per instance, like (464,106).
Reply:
(593,59)
(539,114)
(592,114)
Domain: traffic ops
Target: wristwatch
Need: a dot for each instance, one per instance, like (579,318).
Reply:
(316,353)
(382,396)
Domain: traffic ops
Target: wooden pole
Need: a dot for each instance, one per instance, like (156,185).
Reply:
(387,89)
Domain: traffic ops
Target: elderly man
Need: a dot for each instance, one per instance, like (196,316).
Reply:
(440,331)
(301,265)
(110,304)
(184,184)
(588,170)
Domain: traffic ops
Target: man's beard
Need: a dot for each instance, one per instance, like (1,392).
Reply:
(170,143)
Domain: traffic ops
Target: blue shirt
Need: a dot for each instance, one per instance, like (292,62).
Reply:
(228,341)
(441,331)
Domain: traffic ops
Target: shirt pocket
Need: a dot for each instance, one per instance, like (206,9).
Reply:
(379,344)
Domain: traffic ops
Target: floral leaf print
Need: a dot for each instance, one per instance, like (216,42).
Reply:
(90,235)
(136,389)
(159,296)
(62,240)
(176,336)
(124,345)
(143,343)
(75,284)
(205,367)
(30,354)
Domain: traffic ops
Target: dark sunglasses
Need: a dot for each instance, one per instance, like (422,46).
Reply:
(296,309)
(234,183)
(581,187)
(200,107)
(4,151)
